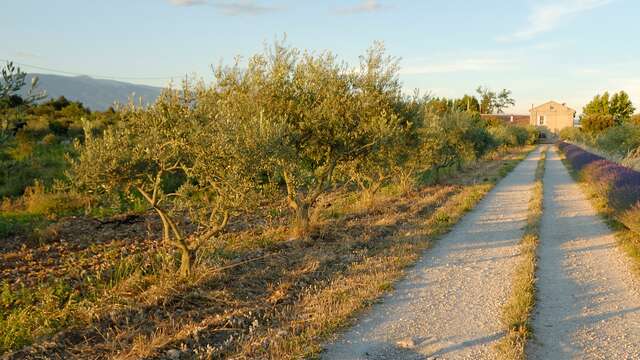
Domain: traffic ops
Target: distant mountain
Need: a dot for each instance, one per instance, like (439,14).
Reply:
(96,94)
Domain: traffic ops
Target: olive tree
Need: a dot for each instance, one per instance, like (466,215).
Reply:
(325,114)
(12,84)
(345,116)
(187,155)
(228,162)
(140,155)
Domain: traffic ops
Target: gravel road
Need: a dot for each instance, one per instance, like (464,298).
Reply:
(449,305)
(588,302)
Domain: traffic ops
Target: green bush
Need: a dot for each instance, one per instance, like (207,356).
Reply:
(50,204)
(509,135)
(533,134)
(619,140)
(49,139)
(571,134)
(596,123)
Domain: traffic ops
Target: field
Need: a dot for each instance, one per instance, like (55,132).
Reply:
(264,295)
(135,233)
(266,215)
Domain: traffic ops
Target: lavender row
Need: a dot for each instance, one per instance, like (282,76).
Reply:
(618,185)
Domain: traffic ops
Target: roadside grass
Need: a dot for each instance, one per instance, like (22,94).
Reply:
(516,312)
(253,293)
(628,239)
(24,159)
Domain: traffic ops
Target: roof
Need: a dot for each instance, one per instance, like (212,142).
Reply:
(563,105)
(517,119)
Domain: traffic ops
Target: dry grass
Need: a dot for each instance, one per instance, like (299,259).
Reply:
(517,311)
(257,294)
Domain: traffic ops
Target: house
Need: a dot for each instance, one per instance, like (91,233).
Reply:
(552,115)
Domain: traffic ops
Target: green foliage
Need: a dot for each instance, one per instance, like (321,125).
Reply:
(571,134)
(533,134)
(619,140)
(491,102)
(598,105)
(450,141)
(621,107)
(511,135)
(24,159)
(467,103)
(605,111)
(27,313)
(11,83)
(17,222)
(595,123)
(38,201)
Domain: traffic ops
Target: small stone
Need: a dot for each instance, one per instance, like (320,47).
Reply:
(407,343)
(173,354)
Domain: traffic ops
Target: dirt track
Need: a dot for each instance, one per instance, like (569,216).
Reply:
(449,305)
(588,303)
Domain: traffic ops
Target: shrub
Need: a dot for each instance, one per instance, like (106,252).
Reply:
(60,127)
(571,134)
(49,139)
(509,135)
(533,134)
(167,157)
(596,123)
(631,218)
(453,139)
(54,204)
(620,140)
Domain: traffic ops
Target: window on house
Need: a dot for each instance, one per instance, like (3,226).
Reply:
(541,120)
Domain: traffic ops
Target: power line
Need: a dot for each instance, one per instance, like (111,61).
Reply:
(94,75)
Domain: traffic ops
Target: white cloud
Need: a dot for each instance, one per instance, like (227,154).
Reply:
(187,2)
(546,16)
(242,7)
(460,65)
(230,7)
(365,6)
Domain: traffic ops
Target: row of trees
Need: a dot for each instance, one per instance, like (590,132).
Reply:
(287,125)
(487,102)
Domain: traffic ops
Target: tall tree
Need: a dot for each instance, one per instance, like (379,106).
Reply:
(616,109)
(598,105)
(503,100)
(12,81)
(620,107)
(491,102)
(467,103)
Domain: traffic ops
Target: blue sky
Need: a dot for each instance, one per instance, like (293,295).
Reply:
(566,50)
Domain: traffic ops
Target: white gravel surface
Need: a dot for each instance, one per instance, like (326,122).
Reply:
(588,303)
(449,305)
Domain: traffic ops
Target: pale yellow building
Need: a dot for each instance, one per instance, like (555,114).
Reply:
(552,115)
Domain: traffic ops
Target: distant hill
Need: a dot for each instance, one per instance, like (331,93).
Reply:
(96,94)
